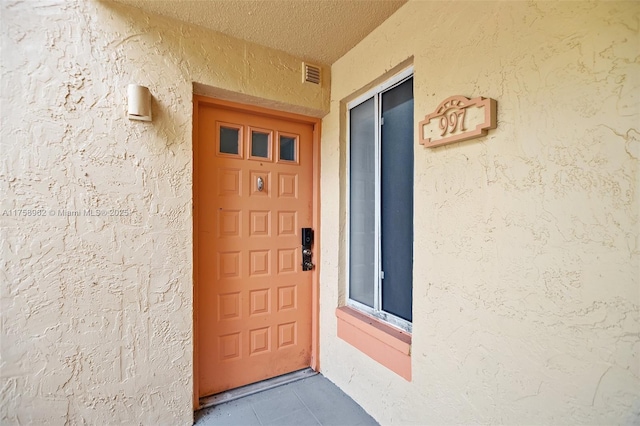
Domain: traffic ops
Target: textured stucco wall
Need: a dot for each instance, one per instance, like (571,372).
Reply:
(526,275)
(97,311)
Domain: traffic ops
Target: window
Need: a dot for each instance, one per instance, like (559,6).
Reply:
(380,197)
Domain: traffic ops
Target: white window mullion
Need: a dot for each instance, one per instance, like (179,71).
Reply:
(377,300)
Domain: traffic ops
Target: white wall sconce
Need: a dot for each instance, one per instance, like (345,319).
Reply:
(139,103)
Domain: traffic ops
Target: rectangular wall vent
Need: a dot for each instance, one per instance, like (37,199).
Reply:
(310,73)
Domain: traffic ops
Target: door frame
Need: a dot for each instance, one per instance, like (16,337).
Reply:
(199,100)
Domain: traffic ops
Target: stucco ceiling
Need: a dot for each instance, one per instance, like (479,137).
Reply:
(319,31)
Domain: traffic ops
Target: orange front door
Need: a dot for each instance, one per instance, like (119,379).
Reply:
(253,185)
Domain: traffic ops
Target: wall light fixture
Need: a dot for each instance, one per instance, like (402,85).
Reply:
(139,103)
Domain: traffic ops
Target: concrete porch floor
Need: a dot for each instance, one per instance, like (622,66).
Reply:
(309,401)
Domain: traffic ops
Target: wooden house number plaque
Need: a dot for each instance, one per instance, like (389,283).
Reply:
(458,119)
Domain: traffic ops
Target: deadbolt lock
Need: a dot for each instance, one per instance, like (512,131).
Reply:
(307,254)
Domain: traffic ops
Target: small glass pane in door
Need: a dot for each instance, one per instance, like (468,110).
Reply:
(229,140)
(260,144)
(288,148)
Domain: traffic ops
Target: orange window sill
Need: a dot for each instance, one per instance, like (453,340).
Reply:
(381,342)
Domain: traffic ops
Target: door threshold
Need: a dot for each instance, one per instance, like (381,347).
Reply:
(232,394)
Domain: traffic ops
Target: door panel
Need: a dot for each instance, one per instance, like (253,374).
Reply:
(254,194)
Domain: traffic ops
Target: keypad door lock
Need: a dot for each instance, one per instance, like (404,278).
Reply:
(307,254)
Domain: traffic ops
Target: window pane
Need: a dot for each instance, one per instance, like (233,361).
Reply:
(259,144)
(229,140)
(362,203)
(396,151)
(287,148)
